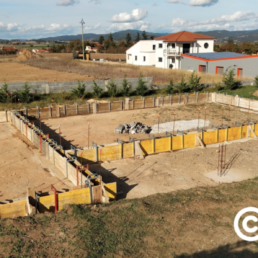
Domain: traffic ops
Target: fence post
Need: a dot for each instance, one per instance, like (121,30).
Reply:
(38,112)
(6,115)
(50,110)
(179,99)
(88,104)
(64,109)
(76,107)
(26,111)
(153,99)
(95,107)
(170,99)
(143,102)
(109,105)
(94,145)
(197,96)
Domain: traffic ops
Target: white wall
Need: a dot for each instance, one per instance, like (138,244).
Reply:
(202,49)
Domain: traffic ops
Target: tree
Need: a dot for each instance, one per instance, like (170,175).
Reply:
(80,90)
(229,80)
(112,89)
(256,81)
(183,86)
(126,87)
(101,40)
(128,40)
(194,81)
(97,91)
(138,38)
(144,35)
(141,88)
(110,37)
(170,88)
(25,95)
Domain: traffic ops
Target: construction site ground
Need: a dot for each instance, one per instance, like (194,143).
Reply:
(23,166)
(166,172)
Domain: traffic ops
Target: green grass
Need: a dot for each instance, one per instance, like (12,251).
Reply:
(162,225)
(244,91)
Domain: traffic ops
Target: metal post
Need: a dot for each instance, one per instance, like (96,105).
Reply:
(88,104)
(153,142)
(143,102)
(64,108)
(76,107)
(94,145)
(50,110)
(121,144)
(82,23)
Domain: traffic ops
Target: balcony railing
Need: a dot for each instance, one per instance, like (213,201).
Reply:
(171,52)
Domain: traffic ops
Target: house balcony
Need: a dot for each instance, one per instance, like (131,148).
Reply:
(170,52)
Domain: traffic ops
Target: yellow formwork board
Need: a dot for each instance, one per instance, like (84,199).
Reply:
(13,210)
(222,135)
(234,133)
(128,150)
(189,140)
(111,190)
(244,131)
(251,134)
(210,137)
(256,129)
(162,144)
(147,146)
(88,154)
(177,143)
(110,153)
(79,196)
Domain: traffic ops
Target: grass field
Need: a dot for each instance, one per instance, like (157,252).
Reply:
(193,223)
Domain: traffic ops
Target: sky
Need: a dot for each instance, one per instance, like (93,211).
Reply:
(28,19)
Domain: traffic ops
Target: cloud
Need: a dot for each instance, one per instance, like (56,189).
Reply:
(223,22)
(136,15)
(66,2)
(140,25)
(202,3)
(95,1)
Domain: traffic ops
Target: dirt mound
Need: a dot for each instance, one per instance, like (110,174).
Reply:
(27,55)
(255,93)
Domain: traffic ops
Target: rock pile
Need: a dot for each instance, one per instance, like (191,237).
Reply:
(133,128)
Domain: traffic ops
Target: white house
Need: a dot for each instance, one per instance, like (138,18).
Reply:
(166,52)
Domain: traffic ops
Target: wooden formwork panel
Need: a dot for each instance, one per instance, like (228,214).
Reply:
(29,133)
(177,143)
(109,153)
(138,103)
(88,155)
(244,131)
(256,129)
(60,162)
(128,150)
(111,190)
(149,103)
(175,99)
(147,147)
(191,98)
(131,103)
(202,97)
(162,145)
(222,135)
(72,173)
(116,106)
(13,210)
(71,110)
(189,140)
(234,133)
(51,154)
(79,196)
(83,109)
(210,137)
(103,107)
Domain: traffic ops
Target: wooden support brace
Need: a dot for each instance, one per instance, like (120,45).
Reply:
(249,130)
(31,202)
(199,140)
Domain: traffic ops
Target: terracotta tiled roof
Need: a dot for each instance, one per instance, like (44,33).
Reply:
(183,36)
(97,44)
(8,48)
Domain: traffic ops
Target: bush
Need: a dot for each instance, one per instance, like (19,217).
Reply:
(183,86)
(25,95)
(170,88)
(80,90)
(229,80)
(126,87)
(112,89)
(5,95)
(218,86)
(256,81)
(194,82)
(97,91)
(141,88)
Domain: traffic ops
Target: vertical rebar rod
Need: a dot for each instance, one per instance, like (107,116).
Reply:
(158,123)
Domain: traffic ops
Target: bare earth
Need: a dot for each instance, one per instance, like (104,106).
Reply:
(16,72)
(22,166)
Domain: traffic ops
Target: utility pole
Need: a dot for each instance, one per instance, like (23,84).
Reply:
(82,22)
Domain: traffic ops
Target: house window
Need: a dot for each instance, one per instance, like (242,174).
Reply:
(160,59)
(160,45)
(135,58)
(129,56)
(173,45)
(240,72)
(154,47)
(173,60)
(144,58)
(206,45)
(202,68)
(220,70)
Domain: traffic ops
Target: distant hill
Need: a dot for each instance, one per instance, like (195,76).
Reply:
(120,35)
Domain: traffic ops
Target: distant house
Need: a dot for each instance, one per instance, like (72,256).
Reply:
(190,51)
(40,51)
(95,48)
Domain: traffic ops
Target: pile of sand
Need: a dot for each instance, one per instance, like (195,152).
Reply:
(255,93)
(28,55)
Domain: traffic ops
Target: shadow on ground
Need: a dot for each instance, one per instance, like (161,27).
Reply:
(227,251)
